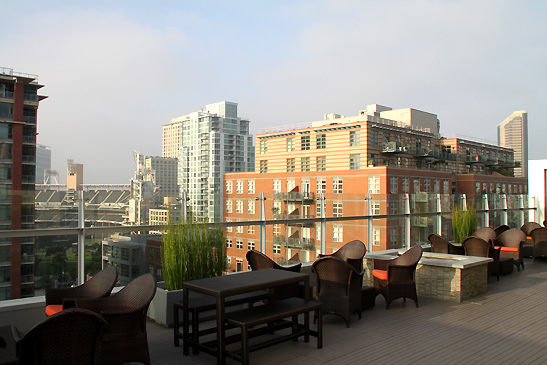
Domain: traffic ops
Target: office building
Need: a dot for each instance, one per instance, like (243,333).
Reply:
(211,142)
(513,133)
(43,163)
(19,102)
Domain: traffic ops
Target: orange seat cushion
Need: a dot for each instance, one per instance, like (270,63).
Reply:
(380,274)
(510,249)
(529,238)
(53,308)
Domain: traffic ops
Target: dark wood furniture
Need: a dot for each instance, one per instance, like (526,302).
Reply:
(476,246)
(352,252)
(486,233)
(221,288)
(528,247)
(441,245)
(539,236)
(511,243)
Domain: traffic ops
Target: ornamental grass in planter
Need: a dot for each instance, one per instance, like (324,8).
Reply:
(464,223)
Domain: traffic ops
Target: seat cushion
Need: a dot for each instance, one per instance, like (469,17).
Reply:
(510,249)
(380,274)
(53,308)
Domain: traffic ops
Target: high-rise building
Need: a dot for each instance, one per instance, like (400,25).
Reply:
(19,101)
(43,162)
(211,142)
(513,133)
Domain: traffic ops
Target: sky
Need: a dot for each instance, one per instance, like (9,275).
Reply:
(116,71)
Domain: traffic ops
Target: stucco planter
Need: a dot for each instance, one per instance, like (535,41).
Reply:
(161,307)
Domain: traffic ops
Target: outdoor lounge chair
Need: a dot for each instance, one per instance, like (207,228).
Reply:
(100,285)
(125,313)
(539,236)
(500,229)
(475,246)
(440,245)
(352,252)
(486,233)
(395,278)
(338,287)
(528,247)
(72,336)
(511,243)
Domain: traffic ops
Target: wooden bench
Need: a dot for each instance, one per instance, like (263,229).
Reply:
(204,303)
(270,313)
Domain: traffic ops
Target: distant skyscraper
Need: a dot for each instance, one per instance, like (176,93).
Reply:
(513,133)
(208,143)
(19,101)
(43,162)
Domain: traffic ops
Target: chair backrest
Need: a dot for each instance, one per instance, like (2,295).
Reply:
(500,229)
(72,336)
(438,244)
(259,261)
(529,227)
(476,246)
(486,233)
(353,253)
(411,257)
(135,296)
(334,277)
(101,284)
(539,235)
(510,238)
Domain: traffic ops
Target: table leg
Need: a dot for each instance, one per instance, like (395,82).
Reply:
(221,335)
(185,324)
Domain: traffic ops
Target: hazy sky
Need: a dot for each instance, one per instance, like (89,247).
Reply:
(116,71)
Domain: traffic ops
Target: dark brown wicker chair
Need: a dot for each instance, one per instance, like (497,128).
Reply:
(528,227)
(539,236)
(125,313)
(528,247)
(500,229)
(338,287)
(72,336)
(475,246)
(100,285)
(352,252)
(511,243)
(395,278)
(486,233)
(440,245)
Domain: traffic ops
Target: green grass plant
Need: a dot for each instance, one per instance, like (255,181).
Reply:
(464,222)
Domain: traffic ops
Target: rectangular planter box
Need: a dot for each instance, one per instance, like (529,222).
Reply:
(161,307)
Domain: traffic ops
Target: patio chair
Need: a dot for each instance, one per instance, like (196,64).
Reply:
(125,313)
(528,247)
(338,287)
(539,236)
(72,336)
(486,233)
(511,242)
(352,252)
(475,246)
(440,245)
(500,229)
(395,278)
(100,285)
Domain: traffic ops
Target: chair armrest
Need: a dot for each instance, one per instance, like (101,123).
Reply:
(93,304)
(380,264)
(400,273)
(57,295)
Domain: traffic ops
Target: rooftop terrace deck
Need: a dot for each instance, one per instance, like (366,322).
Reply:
(508,324)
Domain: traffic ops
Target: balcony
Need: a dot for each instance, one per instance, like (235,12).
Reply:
(394,147)
(294,196)
(295,242)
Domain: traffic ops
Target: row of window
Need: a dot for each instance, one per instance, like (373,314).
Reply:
(305,142)
(251,203)
(239,187)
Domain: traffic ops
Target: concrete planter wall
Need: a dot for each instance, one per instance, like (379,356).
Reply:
(161,307)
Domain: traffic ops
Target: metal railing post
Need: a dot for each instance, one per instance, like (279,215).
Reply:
(262,224)
(503,209)
(407,221)
(464,202)
(323,223)
(184,206)
(486,208)
(438,215)
(81,238)
(522,212)
(370,224)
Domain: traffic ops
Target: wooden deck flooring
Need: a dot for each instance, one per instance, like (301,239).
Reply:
(508,324)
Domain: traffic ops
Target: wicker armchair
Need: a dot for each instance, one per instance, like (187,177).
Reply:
(125,313)
(528,247)
(486,233)
(440,245)
(352,252)
(338,287)
(511,242)
(395,278)
(539,236)
(500,229)
(72,336)
(475,246)
(100,285)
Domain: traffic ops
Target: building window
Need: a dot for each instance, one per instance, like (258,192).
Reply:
(393,207)
(393,185)
(228,242)
(375,208)
(393,239)
(251,206)
(305,143)
(318,232)
(228,229)
(228,206)
(376,237)
(337,208)
(354,162)
(276,230)
(321,141)
(264,166)
(445,187)
(321,185)
(277,186)
(305,164)
(374,185)
(290,144)
(250,229)
(263,147)
(229,187)
(321,163)
(373,138)
(427,185)
(354,138)
(239,187)
(416,182)
(250,245)
(250,186)
(436,186)
(239,229)
(337,233)
(276,249)
(337,185)
(290,164)
(239,206)
(239,244)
